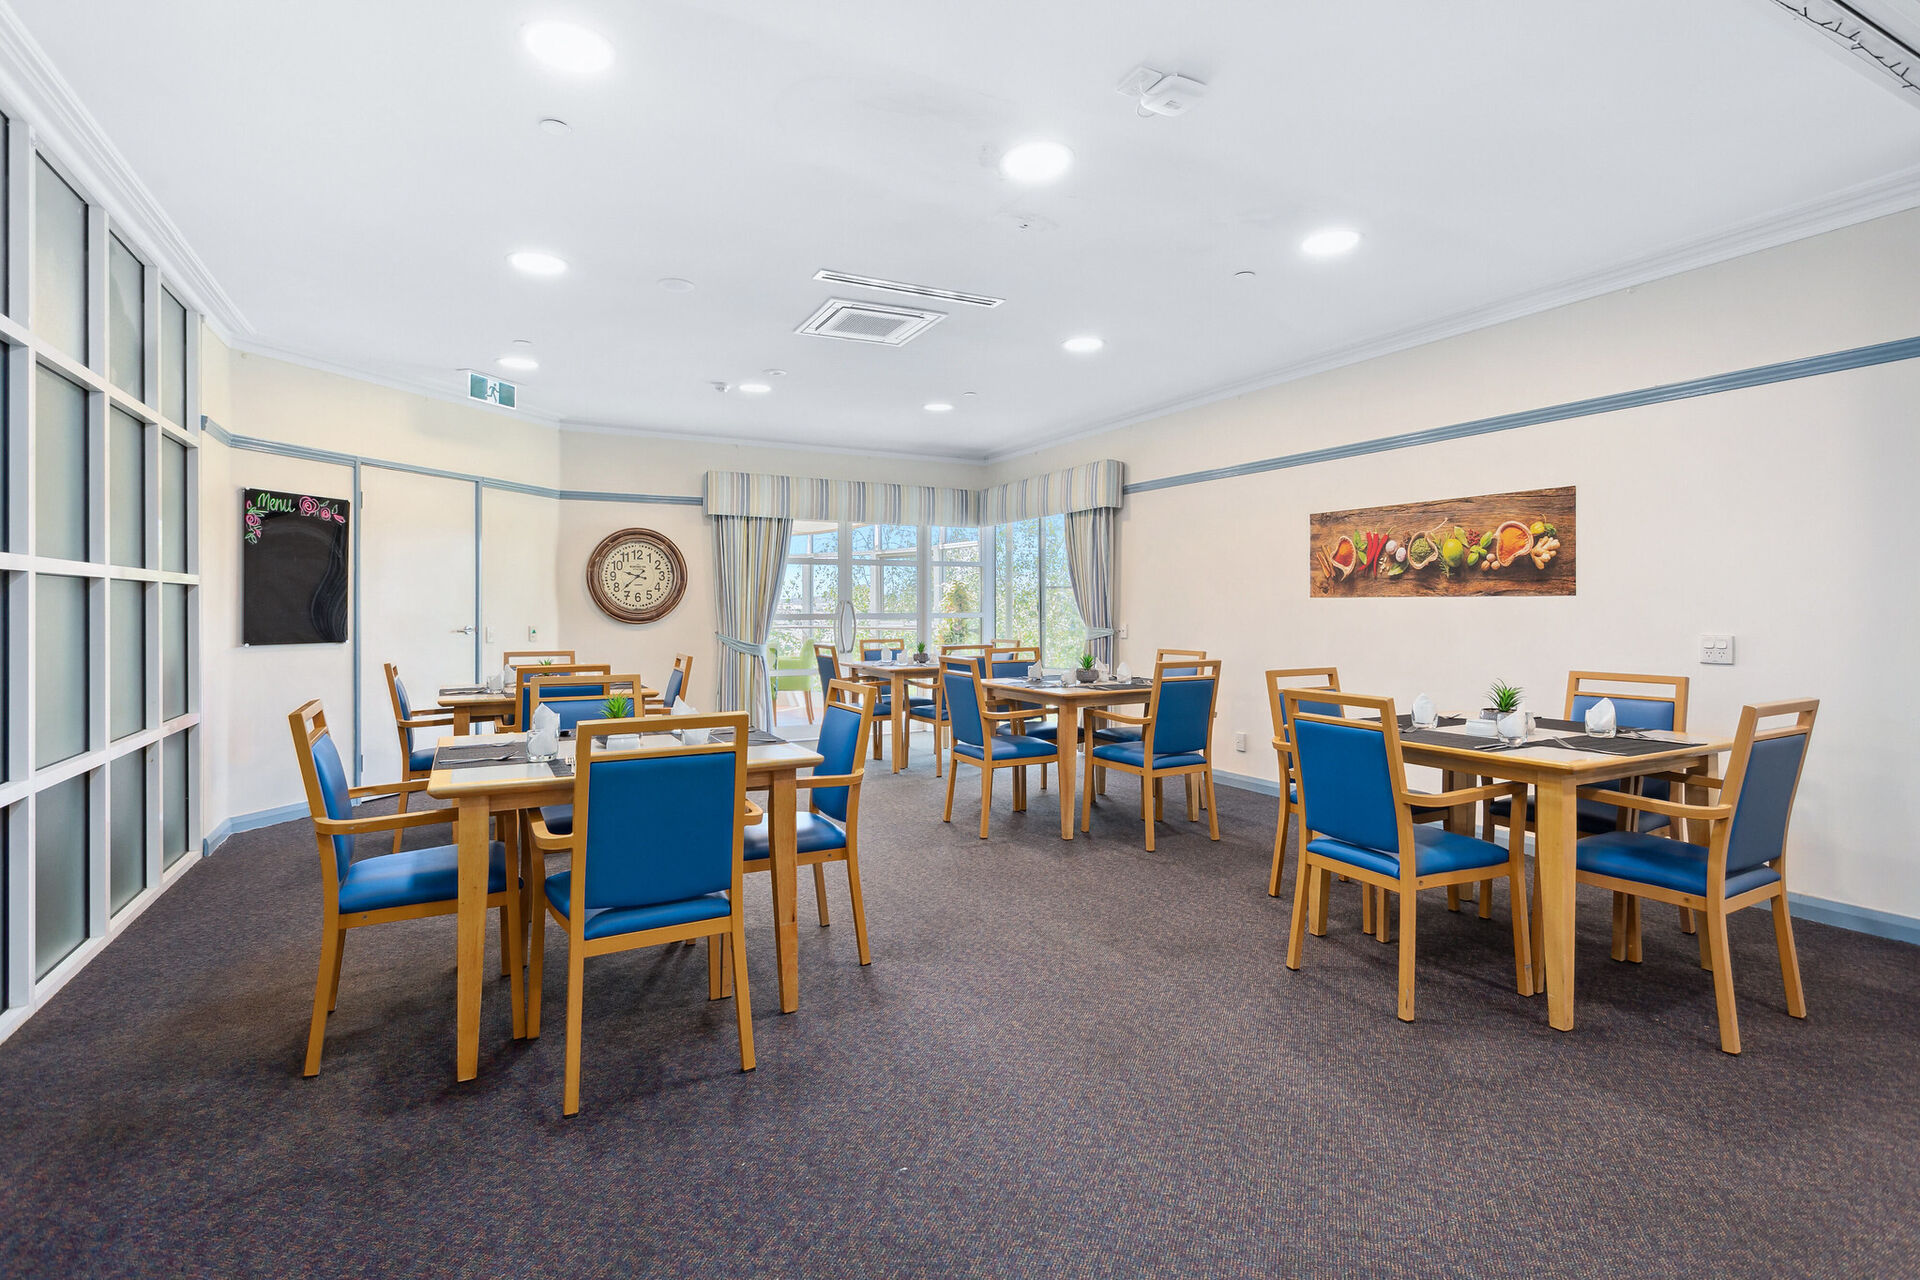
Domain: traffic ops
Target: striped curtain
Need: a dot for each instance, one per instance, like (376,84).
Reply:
(750,554)
(1090,541)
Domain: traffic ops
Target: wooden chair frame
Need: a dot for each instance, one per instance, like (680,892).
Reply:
(1317,679)
(404,725)
(308,723)
(1151,797)
(523,677)
(942,731)
(534,657)
(1316,871)
(728,931)
(683,663)
(882,643)
(611,684)
(1714,906)
(862,698)
(987,764)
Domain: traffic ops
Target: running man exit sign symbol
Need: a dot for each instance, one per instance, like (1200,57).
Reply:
(490,390)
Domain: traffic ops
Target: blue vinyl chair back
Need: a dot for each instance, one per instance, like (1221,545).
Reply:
(573,710)
(1347,785)
(659,829)
(963,705)
(829,669)
(333,790)
(1183,716)
(1010,669)
(555,691)
(1316,708)
(1765,802)
(872,652)
(840,744)
(1629,713)
(672,693)
(400,696)
(576,710)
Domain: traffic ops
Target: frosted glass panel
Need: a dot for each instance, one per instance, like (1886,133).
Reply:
(173,505)
(59,873)
(60,679)
(173,768)
(59,262)
(126,487)
(126,320)
(127,828)
(126,659)
(60,468)
(173,358)
(173,651)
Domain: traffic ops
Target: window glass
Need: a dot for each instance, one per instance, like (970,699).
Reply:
(126,320)
(173,359)
(1063,636)
(59,873)
(1016,614)
(809,594)
(957,593)
(173,505)
(173,771)
(126,488)
(126,660)
(60,676)
(173,650)
(885,586)
(59,263)
(127,828)
(60,468)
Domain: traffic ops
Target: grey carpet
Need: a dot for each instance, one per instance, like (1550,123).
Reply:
(1066,1060)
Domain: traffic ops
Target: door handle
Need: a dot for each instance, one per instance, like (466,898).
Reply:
(464,631)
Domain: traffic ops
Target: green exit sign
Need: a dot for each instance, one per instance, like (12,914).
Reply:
(490,390)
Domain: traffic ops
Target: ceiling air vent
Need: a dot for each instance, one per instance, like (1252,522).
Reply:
(869,322)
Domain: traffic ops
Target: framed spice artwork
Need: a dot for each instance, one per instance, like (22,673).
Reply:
(1496,544)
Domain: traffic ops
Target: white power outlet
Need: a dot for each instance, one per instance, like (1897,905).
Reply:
(1120,632)
(489,635)
(1239,742)
(1716,650)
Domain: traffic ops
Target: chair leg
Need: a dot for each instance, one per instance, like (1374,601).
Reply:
(716,962)
(1408,901)
(1101,775)
(1706,944)
(809,695)
(330,942)
(1043,777)
(986,798)
(1086,800)
(1159,800)
(1213,814)
(576,999)
(1687,924)
(1789,957)
(952,775)
(1453,897)
(1723,978)
(876,739)
(1619,951)
(1020,789)
(1193,797)
(820,892)
(1366,909)
(742,1006)
(1633,929)
(513,943)
(1149,804)
(1322,897)
(505,961)
(1486,899)
(1522,943)
(1536,931)
(1383,920)
(333,985)
(1280,843)
(536,968)
(859,903)
(401,809)
(1297,929)
(939,765)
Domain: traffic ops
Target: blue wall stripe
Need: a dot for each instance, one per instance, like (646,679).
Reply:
(1760,376)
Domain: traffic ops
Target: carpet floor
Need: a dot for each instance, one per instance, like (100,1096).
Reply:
(1067,1059)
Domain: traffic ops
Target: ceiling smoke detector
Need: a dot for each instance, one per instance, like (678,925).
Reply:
(1159,93)
(878,323)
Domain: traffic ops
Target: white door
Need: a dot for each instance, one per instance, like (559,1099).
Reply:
(416,600)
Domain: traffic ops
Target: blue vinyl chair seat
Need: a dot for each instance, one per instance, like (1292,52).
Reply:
(1009,746)
(1656,860)
(605,922)
(420,760)
(1595,816)
(559,819)
(884,707)
(1135,754)
(414,876)
(1117,733)
(923,709)
(1436,851)
(813,833)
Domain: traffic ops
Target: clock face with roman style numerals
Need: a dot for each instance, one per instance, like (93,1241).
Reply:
(636,575)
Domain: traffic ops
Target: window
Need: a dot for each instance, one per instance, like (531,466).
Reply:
(173,506)
(126,488)
(173,651)
(810,595)
(127,658)
(60,468)
(885,581)
(174,773)
(173,359)
(59,873)
(126,320)
(59,263)
(61,648)
(957,600)
(1034,603)
(127,828)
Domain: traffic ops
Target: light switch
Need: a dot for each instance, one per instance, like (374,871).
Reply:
(1716,650)
(1120,632)
(1239,742)
(489,635)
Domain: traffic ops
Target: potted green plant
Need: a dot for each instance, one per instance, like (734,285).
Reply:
(920,652)
(617,707)
(1508,710)
(1085,674)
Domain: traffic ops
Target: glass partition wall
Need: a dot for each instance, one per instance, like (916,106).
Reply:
(99,705)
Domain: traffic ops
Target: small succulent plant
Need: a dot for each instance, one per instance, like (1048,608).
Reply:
(1086,662)
(618,707)
(1504,697)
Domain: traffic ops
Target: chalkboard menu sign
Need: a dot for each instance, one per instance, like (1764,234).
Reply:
(293,568)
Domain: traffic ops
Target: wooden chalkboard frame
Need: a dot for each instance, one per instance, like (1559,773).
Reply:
(295,568)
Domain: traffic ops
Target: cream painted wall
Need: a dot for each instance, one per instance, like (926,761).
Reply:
(1771,513)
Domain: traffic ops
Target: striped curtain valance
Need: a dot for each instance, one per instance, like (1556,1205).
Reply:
(1088,487)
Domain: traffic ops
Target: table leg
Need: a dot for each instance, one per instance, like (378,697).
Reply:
(470,945)
(781,813)
(1555,833)
(1067,737)
(899,723)
(462,722)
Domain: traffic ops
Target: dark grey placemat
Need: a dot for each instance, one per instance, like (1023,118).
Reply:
(1465,741)
(1138,682)
(464,690)
(1624,746)
(478,753)
(1406,720)
(755,737)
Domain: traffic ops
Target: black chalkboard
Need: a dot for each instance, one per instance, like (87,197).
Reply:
(293,568)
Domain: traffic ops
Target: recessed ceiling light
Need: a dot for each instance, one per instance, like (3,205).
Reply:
(565,47)
(1243,275)
(774,373)
(938,406)
(753,388)
(1084,345)
(518,363)
(1330,242)
(1036,162)
(555,126)
(674,284)
(534,263)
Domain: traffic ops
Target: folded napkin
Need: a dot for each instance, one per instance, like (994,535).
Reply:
(1123,672)
(693,737)
(543,741)
(1424,715)
(1513,724)
(1602,718)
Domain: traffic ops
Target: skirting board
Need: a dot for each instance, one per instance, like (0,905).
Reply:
(1880,924)
(249,822)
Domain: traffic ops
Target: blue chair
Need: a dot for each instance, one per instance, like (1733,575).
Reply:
(1358,822)
(983,738)
(876,648)
(934,713)
(575,702)
(830,829)
(1743,862)
(1317,679)
(678,681)
(827,659)
(388,886)
(525,676)
(655,858)
(416,762)
(1176,741)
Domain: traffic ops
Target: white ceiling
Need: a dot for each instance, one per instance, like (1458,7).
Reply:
(354,176)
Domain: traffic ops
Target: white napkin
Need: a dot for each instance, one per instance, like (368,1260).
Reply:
(1123,672)
(544,740)
(693,737)
(1601,718)
(1514,723)
(1478,728)
(623,742)
(1423,712)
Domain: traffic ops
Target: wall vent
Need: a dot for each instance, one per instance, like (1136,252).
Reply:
(913,290)
(875,322)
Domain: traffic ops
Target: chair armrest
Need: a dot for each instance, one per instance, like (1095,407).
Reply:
(1466,795)
(1121,717)
(1621,800)
(1687,779)
(545,841)
(425,722)
(830,780)
(388,788)
(753,811)
(385,822)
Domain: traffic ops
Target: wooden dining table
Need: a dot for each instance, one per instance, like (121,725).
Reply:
(508,788)
(1556,773)
(896,674)
(1071,700)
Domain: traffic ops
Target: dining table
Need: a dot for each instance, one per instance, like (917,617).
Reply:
(489,776)
(896,674)
(1556,760)
(1071,700)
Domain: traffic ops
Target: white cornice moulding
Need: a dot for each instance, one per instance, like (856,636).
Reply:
(1864,202)
(38,95)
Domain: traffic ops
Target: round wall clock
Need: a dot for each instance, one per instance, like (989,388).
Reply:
(636,575)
